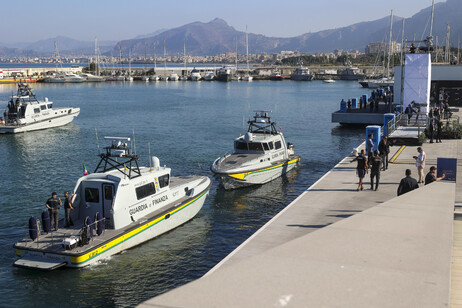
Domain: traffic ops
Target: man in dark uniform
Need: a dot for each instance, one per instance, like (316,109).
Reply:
(53,205)
(431,176)
(384,149)
(361,168)
(438,130)
(67,209)
(407,184)
(369,146)
(376,162)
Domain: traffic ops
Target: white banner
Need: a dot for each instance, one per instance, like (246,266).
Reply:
(417,79)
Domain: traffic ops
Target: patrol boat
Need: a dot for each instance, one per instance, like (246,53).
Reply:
(26,113)
(117,207)
(259,156)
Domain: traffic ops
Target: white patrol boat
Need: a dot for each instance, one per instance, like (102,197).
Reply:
(261,155)
(26,113)
(117,207)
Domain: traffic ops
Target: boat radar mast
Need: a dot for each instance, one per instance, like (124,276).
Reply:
(128,165)
(261,123)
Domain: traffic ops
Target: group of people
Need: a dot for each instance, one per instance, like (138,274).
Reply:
(377,160)
(53,204)
(379,95)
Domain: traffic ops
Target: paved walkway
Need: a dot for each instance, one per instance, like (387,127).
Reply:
(370,248)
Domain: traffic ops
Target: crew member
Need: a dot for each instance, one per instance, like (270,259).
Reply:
(53,205)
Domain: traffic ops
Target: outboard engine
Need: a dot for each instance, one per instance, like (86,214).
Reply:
(46,221)
(33,228)
(290,149)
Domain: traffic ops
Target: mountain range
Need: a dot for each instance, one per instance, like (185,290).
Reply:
(216,37)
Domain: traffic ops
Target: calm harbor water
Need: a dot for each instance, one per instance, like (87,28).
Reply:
(187,125)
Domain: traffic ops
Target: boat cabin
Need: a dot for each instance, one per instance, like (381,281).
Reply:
(120,190)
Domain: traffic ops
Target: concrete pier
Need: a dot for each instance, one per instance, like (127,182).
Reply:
(337,247)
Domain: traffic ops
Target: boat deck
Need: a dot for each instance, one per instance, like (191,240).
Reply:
(52,242)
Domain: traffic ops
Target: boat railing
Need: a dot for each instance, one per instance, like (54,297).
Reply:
(53,237)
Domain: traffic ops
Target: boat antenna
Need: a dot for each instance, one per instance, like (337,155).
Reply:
(134,143)
(149,150)
(243,125)
(97,141)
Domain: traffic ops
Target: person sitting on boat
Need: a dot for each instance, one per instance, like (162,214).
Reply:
(53,205)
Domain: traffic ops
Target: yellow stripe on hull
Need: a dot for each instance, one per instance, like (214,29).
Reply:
(241,176)
(78,260)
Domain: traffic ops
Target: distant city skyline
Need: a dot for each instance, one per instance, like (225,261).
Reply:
(30,21)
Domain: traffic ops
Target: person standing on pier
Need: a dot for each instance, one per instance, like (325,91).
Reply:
(361,168)
(376,163)
(407,184)
(369,148)
(438,130)
(420,163)
(431,128)
(384,149)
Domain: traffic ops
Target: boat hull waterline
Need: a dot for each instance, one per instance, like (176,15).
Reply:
(232,179)
(133,236)
(42,124)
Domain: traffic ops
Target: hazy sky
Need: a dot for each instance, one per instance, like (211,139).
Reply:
(32,20)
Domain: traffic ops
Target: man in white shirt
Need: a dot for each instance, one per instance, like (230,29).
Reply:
(420,163)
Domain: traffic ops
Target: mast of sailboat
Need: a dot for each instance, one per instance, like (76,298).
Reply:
(129,62)
(247,48)
(236,51)
(430,38)
(56,57)
(402,42)
(155,58)
(145,57)
(165,62)
(120,54)
(447,51)
(389,44)
(96,57)
(184,57)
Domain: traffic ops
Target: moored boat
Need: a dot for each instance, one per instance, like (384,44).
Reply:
(302,74)
(259,156)
(26,113)
(225,74)
(117,207)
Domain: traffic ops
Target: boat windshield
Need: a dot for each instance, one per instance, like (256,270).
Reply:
(251,146)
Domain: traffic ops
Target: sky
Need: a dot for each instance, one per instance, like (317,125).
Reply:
(32,20)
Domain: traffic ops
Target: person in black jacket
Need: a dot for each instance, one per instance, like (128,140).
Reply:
(407,184)
(361,168)
(376,162)
(384,149)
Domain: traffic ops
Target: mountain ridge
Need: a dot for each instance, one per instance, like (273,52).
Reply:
(217,37)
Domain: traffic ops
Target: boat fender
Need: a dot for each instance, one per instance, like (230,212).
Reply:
(84,237)
(33,228)
(46,221)
(99,223)
(89,224)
